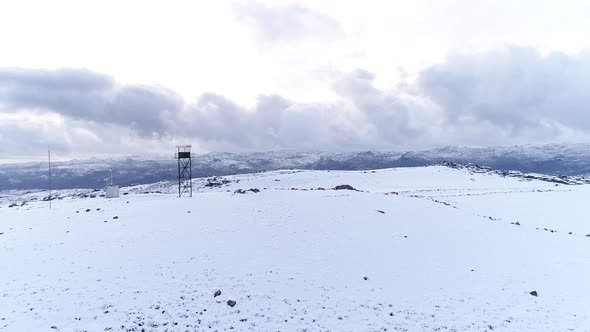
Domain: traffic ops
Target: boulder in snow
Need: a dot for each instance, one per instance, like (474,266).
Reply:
(344,187)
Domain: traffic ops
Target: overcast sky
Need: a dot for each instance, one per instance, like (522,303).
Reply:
(94,78)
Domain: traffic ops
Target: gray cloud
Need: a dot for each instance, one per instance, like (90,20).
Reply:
(274,123)
(387,112)
(86,95)
(286,24)
(510,96)
(516,89)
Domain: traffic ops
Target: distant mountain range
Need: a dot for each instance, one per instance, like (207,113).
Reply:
(554,159)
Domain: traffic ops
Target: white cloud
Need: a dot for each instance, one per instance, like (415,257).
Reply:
(287,24)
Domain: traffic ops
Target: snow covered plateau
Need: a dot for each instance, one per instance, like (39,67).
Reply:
(407,249)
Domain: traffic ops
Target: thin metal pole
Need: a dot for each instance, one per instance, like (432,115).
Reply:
(49,157)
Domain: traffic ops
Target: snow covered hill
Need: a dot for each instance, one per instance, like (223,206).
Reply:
(554,159)
(409,249)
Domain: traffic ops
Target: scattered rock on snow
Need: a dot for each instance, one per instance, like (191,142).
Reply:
(231,303)
(534,293)
(242,191)
(216,182)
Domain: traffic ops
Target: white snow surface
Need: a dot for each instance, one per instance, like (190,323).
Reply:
(445,254)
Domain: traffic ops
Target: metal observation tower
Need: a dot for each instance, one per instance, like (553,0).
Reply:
(185,166)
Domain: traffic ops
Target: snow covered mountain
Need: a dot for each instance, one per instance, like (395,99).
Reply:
(407,249)
(91,173)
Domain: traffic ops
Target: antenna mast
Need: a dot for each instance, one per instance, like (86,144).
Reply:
(49,158)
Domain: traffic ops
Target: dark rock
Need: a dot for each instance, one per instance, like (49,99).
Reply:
(242,191)
(231,303)
(344,187)
(87,210)
(116,217)
(366,278)
(534,293)
(97,209)
(217,293)
(12,205)
(382,212)
(54,327)
(587,235)
(517,223)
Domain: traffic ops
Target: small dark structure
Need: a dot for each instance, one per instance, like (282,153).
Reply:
(185,169)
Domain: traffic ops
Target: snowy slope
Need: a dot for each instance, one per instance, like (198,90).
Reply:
(412,249)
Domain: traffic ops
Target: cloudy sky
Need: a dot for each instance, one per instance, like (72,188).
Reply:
(94,78)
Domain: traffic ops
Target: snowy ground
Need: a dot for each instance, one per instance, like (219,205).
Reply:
(449,251)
